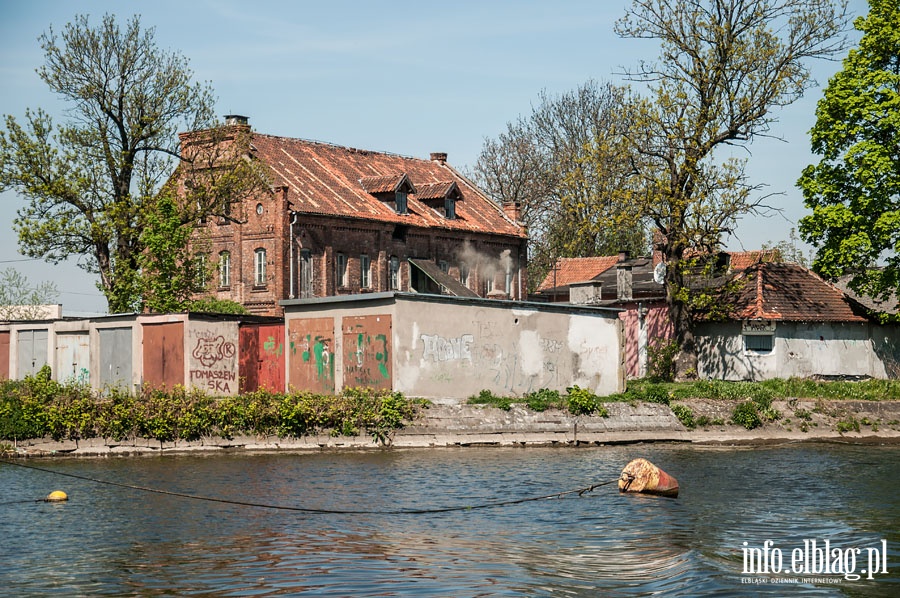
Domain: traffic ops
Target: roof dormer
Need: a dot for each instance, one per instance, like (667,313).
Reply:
(392,189)
(441,197)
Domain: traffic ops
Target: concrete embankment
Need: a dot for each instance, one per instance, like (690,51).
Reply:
(456,425)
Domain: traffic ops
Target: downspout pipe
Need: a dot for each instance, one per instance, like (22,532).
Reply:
(293,222)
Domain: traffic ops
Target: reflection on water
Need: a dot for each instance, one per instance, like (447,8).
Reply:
(114,541)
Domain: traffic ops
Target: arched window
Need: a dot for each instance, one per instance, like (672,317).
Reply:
(259,278)
(225,269)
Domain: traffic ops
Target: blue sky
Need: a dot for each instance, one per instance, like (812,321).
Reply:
(408,77)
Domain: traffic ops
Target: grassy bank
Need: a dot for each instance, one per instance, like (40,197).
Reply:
(38,406)
(752,401)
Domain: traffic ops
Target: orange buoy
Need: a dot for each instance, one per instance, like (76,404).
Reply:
(646,478)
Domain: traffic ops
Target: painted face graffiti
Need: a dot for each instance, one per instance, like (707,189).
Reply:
(212,350)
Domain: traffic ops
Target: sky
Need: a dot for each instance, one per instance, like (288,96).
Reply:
(406,77)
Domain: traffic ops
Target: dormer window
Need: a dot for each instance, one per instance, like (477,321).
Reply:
(449,208)
(400,202)
(441,197)
(392,189)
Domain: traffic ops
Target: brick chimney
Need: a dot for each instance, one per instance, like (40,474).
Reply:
(236,119)
(439,157)
(624,285)
(513,211)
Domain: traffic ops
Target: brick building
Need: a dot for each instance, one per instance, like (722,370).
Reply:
(341,221)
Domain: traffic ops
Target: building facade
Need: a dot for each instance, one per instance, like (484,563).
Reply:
(342,221)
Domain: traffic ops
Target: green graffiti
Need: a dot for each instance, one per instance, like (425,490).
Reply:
(382,356)
(306,350)
(324,363)
(270,346)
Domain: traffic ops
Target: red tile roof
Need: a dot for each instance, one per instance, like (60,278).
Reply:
(329,180)
(435,190)
(576,269)
(741,260)
(793,293)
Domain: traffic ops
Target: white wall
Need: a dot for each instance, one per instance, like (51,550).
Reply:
(801,349)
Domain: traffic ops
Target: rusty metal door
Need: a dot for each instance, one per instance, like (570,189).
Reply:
(73,357)
(164,354)
(262,357)
(311,354)
(248,359)
(4,355)
(271,357)
(115,357)
(32,351)
(367,351)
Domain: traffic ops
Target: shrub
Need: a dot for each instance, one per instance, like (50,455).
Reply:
(486,397)
(661,354)
(543,399)
(746,413)
(685,415)
(583,402)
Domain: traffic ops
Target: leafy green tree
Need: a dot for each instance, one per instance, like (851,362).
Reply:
(92,182)
(172,270)
(724,65)
(854,191)
(542,163)
(19,300)
(216,306)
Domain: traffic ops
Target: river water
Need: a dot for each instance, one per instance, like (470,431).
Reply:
(110,540)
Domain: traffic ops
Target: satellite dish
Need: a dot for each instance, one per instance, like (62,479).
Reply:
(659,273)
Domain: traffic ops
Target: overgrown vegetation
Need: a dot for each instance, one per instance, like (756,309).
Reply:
(578,401)
(791,388)
(38,406)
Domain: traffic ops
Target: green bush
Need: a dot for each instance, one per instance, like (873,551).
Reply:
(543,399)
(584,402)
(661,354)
(486,397)
(38,407)
(685,415)
(746,413)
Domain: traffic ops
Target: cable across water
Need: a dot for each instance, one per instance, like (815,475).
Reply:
(489,505)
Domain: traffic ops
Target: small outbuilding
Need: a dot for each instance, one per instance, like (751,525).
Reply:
(438,346)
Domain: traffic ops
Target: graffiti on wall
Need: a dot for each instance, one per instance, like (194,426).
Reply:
(438,348)
(213,365)
(367,350)
(319,351)
(493,358)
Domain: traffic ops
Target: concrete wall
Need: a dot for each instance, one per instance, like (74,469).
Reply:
(211,356)
(801,349)
(447,347)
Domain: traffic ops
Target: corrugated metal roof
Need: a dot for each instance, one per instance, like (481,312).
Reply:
(326,179)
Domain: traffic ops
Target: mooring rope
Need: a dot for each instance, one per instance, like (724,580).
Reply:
(490,505)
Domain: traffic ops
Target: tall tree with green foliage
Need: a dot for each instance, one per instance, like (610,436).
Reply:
(854,191)
(91,183)
(723,67)
(172,268)
(541,162)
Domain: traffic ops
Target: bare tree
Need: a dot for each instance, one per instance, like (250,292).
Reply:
(723,67)
(19,300)
(563,164)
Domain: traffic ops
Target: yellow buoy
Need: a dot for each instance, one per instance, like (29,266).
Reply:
(57,496)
